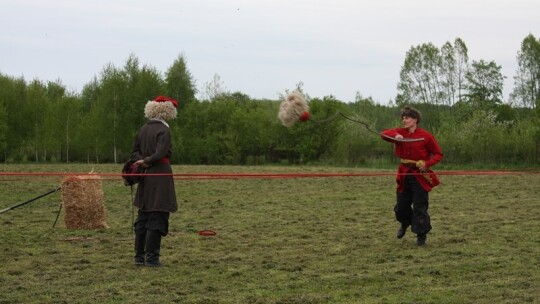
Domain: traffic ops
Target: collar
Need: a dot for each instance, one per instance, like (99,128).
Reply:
(161,120)
(414,131)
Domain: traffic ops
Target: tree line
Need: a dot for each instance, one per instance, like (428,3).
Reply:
(461,101)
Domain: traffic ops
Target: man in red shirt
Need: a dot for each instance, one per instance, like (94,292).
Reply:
(418,151)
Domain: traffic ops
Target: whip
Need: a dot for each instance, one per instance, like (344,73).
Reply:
(294,108)
(30,200)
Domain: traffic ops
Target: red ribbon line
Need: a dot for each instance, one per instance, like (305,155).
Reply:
(206,176)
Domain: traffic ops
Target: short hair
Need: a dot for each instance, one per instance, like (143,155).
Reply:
(411,112)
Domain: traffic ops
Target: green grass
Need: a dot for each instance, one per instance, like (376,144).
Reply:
(307,240)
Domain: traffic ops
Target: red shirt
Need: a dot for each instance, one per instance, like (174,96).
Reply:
(427,150)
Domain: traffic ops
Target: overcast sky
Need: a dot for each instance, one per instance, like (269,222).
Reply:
(260,48)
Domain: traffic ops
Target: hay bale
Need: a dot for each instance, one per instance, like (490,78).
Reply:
(82,198)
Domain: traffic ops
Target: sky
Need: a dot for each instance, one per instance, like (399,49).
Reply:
(260,48)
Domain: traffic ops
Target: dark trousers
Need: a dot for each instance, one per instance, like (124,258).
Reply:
(149,228)
(412,206)
(154,220)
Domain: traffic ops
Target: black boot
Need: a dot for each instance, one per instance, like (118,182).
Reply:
(140,241)
(153,244)
(421,239)
(401,231)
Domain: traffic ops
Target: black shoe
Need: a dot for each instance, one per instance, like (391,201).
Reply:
(155,263)
(421,239)
(401,231)
(139,260)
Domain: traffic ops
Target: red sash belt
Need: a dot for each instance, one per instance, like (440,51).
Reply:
(165,160)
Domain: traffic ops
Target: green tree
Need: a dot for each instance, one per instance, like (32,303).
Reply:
(521,141)
(70,107)
(138,86)
(454,66)
(179,83)
(109,108)
(358,145)
(12,92)
(527,80)
(114,104)
(433,76)
(485,84)
(3,127)
(420,76)
(54,121)
(310,142)
(248,129)
(482,138)
(214,88)
(36,105)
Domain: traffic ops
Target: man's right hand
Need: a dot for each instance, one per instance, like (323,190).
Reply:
(140,162)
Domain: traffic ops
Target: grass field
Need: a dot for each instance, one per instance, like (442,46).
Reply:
(304,240)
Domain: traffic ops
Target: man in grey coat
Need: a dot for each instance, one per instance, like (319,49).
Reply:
(156,196)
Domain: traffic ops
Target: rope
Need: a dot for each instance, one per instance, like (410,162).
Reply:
(57,215)
(196,176)
(338,113)
(360,122)
(30,200)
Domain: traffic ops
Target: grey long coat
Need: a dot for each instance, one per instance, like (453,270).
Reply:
(154,193)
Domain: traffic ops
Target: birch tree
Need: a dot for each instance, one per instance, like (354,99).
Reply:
(526,91)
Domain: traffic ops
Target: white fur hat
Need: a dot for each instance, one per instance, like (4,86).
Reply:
(161,108)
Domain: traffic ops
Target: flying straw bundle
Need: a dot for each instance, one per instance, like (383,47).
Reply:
(82,197)
(293,109)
